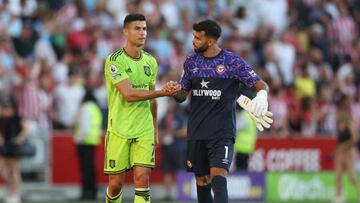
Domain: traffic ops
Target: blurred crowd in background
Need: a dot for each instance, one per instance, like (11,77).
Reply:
(52,52)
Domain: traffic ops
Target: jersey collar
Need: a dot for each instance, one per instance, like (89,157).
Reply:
(135,59)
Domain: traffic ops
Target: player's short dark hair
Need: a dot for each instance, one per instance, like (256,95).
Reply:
(133,17)
(210,27)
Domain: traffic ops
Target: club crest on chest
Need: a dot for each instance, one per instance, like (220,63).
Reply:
(147,70)
(220,69)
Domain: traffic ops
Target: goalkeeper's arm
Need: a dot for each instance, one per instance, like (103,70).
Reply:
(181,96)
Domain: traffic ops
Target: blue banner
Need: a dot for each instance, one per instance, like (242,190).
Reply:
(241,186)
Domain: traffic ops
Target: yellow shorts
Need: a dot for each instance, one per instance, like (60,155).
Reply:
(122,154)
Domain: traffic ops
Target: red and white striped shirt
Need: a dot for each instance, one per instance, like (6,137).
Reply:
(28,101)
(343,31)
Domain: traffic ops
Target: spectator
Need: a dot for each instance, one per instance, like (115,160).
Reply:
(67,100)
(13,132)
(305,85)
(277,20)
(326,112)
(61,68)
(342,39)
(24,8)
(245,25)
(284,54)
(345,150)
(293,104)
(25,43)
(277,106)
(87,136)
(245,140)
(316,64)
(27,99)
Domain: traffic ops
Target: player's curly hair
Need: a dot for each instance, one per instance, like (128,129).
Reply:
(134,17)
(210,27)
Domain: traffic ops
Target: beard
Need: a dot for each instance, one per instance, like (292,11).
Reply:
(140,45)
(201,49)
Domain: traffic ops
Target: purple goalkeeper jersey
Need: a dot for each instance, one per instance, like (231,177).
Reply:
(214,84)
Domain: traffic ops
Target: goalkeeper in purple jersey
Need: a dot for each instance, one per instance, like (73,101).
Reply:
(212,76)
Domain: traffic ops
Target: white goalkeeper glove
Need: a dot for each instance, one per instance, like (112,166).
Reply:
(259,104)
(263,121)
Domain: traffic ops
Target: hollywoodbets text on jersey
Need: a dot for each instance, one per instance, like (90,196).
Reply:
(214,94)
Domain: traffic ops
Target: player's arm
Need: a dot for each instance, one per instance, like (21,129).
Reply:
(115,71)
(353,134)
(261,85)
(249,78)
(185,82)
(181,96)
(153,108)
(134,95)
(258,106)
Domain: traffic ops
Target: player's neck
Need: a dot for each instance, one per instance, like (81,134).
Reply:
(212,52)
(133,51)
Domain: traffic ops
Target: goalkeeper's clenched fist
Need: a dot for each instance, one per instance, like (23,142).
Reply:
(262,117)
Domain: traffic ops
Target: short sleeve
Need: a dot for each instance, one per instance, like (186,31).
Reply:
(185,77)
(244,73)
(154,68)
(115,71)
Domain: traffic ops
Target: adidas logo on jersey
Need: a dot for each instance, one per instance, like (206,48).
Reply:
(128,70)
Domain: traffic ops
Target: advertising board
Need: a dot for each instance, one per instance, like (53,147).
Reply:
(304,186)
(293,154)
(241,186)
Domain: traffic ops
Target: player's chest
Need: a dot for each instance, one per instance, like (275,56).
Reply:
(139,73)
(213,70)
(213,88)
(213,83)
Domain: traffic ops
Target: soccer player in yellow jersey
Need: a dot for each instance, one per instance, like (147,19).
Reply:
(130,75)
